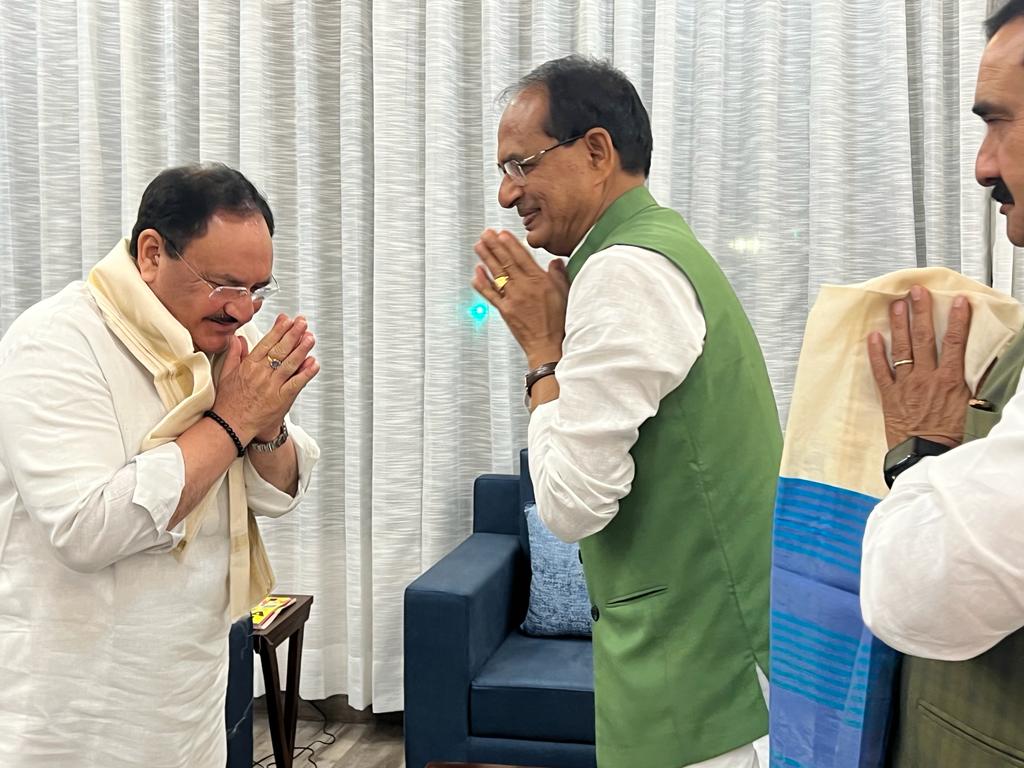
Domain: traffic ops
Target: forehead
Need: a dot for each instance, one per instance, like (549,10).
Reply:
(1001,73)
(521,125)
(225,224)
(239,247)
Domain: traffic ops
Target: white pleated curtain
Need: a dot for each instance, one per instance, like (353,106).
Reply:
(806,142)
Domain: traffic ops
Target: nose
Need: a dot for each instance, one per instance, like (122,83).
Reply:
(508,192)
(986,165)
(244,307)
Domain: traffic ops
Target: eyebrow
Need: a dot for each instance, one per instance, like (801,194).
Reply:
(232,280)
(511,156)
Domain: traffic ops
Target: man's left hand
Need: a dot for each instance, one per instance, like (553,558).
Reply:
(531,301)
(922,396)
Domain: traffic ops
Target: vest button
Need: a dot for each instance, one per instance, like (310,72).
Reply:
(594,613)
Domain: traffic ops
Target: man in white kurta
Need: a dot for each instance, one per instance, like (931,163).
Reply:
(942,575)
(113,648)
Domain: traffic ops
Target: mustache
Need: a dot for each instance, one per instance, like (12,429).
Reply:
(1001,193)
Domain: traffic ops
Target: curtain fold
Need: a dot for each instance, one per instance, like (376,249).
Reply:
(806,142)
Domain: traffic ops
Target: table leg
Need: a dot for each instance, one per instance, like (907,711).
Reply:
(291,699)
(279,731)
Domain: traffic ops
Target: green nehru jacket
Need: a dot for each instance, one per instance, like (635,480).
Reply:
(679,578)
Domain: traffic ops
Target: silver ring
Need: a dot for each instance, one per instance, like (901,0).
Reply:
(898,363)
(274,362)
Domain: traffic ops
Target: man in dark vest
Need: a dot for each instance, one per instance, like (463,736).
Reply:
(943,567)
(654,438)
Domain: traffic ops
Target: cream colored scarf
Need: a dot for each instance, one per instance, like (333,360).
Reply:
(835,433)
(184,379)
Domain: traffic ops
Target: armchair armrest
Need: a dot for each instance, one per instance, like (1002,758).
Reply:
(456,616)
(496,504)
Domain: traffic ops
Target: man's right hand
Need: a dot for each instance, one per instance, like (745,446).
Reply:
(252,395)
(924,396)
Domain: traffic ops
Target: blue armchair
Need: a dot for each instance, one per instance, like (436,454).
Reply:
(476,688)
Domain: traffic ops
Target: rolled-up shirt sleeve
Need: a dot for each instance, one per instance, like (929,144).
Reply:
(266,500)
(634,328)
(156,471)
(63,449)
(942,573)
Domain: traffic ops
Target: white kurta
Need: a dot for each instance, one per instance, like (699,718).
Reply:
(113,650)
(942,574)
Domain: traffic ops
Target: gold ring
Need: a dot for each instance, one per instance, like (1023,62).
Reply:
(274,362)
(500,281)
(898,363)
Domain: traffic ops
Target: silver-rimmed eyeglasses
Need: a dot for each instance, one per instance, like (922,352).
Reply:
(226,293)
(516,169)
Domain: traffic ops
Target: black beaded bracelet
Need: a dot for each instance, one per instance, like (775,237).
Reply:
(229,430)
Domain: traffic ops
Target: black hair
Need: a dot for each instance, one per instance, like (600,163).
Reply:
(585,93)
(1012,10)
(180,201)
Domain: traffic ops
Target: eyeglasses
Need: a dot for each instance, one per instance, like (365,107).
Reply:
(516,169)
(226,293)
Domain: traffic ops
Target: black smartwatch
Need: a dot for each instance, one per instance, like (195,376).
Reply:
(907,454)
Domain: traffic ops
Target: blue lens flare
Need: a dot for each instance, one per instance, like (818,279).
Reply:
(479,312)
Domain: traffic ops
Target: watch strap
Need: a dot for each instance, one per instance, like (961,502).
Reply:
(271,445)
(535,375)
(908,453)
(538,373)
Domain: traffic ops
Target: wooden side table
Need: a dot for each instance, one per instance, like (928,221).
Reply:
(283,706)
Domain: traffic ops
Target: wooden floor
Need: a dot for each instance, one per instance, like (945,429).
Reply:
(353,739)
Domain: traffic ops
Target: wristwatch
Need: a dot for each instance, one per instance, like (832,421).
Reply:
(535,375)
(905,455)
(272,445)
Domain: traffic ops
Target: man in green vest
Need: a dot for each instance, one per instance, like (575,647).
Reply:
(942,578)
(654,438)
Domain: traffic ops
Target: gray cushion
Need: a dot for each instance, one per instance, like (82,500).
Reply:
(559,604)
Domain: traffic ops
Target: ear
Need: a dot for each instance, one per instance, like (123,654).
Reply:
(148,254)
(601,150)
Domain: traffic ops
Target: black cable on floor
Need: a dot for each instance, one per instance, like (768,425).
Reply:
(309,747)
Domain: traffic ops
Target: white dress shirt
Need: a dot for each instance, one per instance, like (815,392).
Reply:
(942,573)
(633,330)
(113,649)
